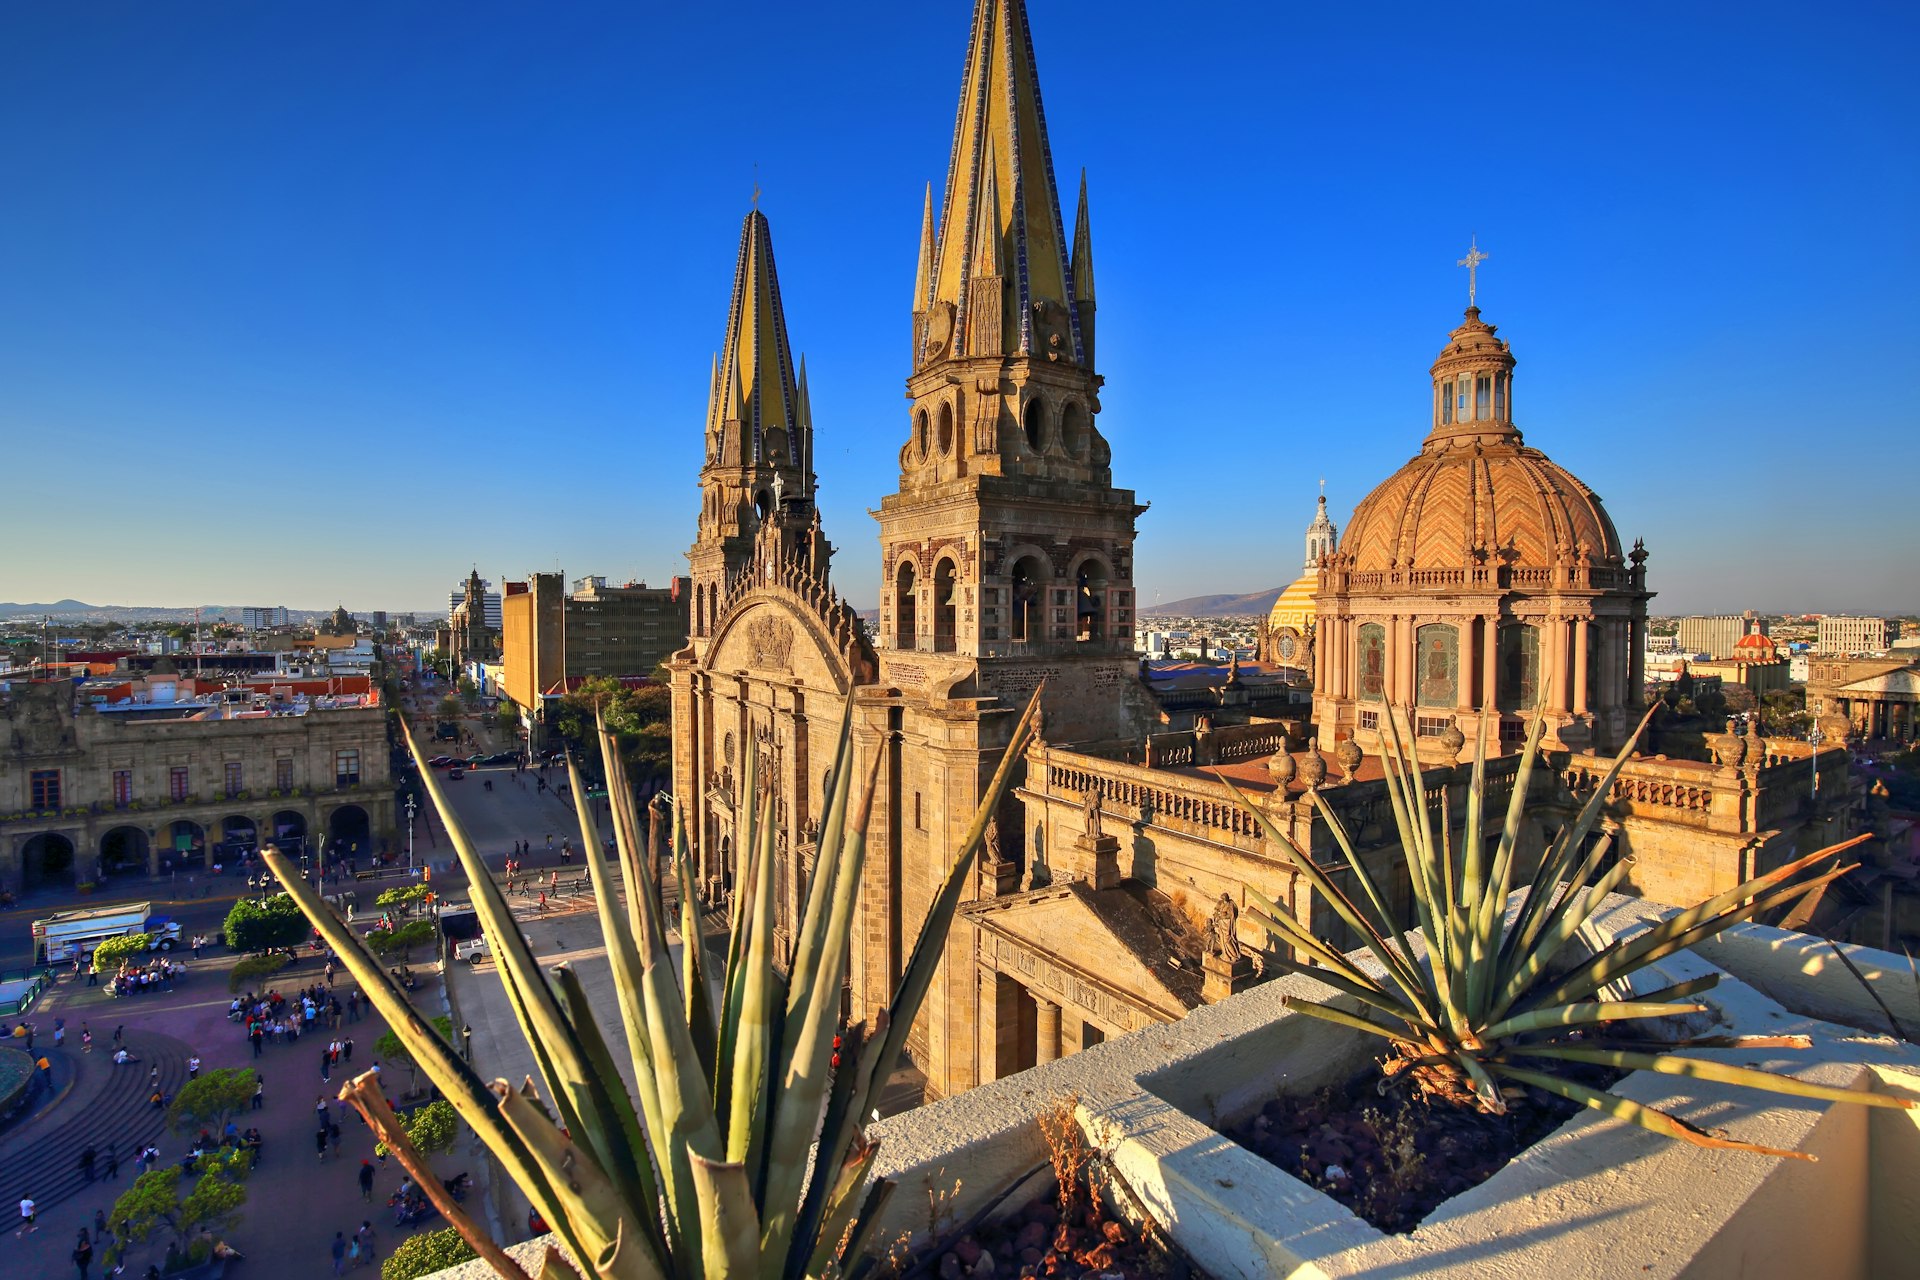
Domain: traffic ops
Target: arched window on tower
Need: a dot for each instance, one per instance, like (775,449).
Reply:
(1073,429)
(1033,422)
(945,587)
(920,433)
(1030,580)
(1483,397)
(1090,601)
(906,616)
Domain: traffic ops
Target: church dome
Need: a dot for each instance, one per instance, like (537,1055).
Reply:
(1294,608)
(1476,493)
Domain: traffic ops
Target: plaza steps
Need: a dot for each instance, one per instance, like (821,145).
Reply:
(43,1158)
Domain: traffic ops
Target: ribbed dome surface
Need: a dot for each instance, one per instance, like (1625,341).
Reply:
(1294,608)
(1459,496)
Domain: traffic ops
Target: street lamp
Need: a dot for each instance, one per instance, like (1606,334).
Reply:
(466,1042)
(1814,739)
(410,805)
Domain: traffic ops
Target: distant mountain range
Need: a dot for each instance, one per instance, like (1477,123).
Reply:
(81,611)
(1257,604)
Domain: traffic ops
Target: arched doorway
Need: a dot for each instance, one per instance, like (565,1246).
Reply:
(46,862)
(1029,597)
(349,834)
(238,835)
(944,589)
(123,852)
(186,847)
(288,832)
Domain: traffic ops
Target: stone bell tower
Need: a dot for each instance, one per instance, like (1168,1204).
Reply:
(757,482)
(1007,544)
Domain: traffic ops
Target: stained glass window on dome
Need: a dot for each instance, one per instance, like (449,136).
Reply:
(1519,667)
(1371,658)
(1437,678)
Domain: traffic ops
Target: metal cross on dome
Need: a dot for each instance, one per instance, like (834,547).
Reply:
(1472,263)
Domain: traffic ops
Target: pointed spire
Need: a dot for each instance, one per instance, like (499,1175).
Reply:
(1000,146)
(756,364)
(713,397)
(803,440)
(923,277)
(1082,248)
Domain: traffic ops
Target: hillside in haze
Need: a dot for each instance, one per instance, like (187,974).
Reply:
(81,611)
(1257,604)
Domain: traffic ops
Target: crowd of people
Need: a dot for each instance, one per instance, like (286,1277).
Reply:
(142,979)
(281,1019)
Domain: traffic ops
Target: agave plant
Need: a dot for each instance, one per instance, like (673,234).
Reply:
(743,1150)
(1500,994)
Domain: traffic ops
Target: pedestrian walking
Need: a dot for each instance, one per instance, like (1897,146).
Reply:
(346,1049)
(119,1035)
(113,1162)
(339,1249)
(259,1092)
(326,1066)
(28,1213)
(364,1238)
(320,1143)
(59,1032)
(83,1254)
(86,1039)
(366,1181)
(193,1067)
(87,1156)
(333,1139)
(100,1223)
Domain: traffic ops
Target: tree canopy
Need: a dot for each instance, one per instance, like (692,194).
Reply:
(113,952)
(154,1203)
(212,1099)
(426,1253)
(641,721)
(262,926)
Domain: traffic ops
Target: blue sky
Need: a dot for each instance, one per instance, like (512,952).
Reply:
(305,303)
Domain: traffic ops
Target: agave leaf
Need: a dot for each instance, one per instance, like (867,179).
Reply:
(586,1197)
(734,976)
(751,1048)
(917,977)
(555,1267)
(630,1167)
(810,938)
(1634,1113)
(871,1207)
(1679,990)
(1413,853)
(1401,968)
(570,1081)
(1493,907)
(1388,917)
(693,953)
(807,1071)
(1719,1072)
(842,1206)
(1331,1013)
(1365,993)
(1584,1014)
(729,1226)
(1291,933)
(1473,877)
(825,1173)
(1566,921)
(1682,930)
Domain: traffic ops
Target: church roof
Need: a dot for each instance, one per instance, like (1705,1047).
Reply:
(1000,184)
(1904,681)
(1754,647)
(1294,607)
(1147,951)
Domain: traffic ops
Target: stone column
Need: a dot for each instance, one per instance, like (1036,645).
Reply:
(1580,666)
(1464,664)
(1489,664)
(1047,1039)
(1555,663)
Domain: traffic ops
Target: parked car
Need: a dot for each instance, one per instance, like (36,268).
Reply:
(501,757)
(475,761)
(456,773)
(443,762)
(472,950)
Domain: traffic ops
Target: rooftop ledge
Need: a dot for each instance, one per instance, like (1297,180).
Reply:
(1596,1198)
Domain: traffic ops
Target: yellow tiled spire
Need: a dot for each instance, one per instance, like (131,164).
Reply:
(756,365)
(923,277)
(1000,186)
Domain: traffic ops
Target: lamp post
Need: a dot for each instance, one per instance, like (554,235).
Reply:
(466,1042)
(410,805)
(1814,739)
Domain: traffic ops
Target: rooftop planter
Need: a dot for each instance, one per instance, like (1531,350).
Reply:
(1596,1197)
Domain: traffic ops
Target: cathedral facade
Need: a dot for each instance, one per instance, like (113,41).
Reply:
(1006,554)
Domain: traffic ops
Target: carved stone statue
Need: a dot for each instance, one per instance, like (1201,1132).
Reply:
(1090,811)
(1223,931)
(993,840)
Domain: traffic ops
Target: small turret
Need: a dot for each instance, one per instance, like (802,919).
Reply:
(1082,270)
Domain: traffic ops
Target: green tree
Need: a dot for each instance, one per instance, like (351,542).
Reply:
(641,721)
(431,1128)
(212,1099)
(449,708)
(153,1204)
(506,719)
(250,969)
(403,897)
(404,939)
(469,691)
(391,1048)
(426,1253)
(112,953)
(262,926)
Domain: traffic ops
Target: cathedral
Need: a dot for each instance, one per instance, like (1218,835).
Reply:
(1477,582)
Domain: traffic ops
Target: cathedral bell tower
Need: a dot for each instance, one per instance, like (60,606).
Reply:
(1006,539)
(757,482)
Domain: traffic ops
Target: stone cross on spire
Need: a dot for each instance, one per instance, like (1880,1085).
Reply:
(1472,263)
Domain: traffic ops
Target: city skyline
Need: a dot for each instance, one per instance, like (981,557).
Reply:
(339,275)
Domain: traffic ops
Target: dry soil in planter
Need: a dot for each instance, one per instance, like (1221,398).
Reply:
(1392,1157)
